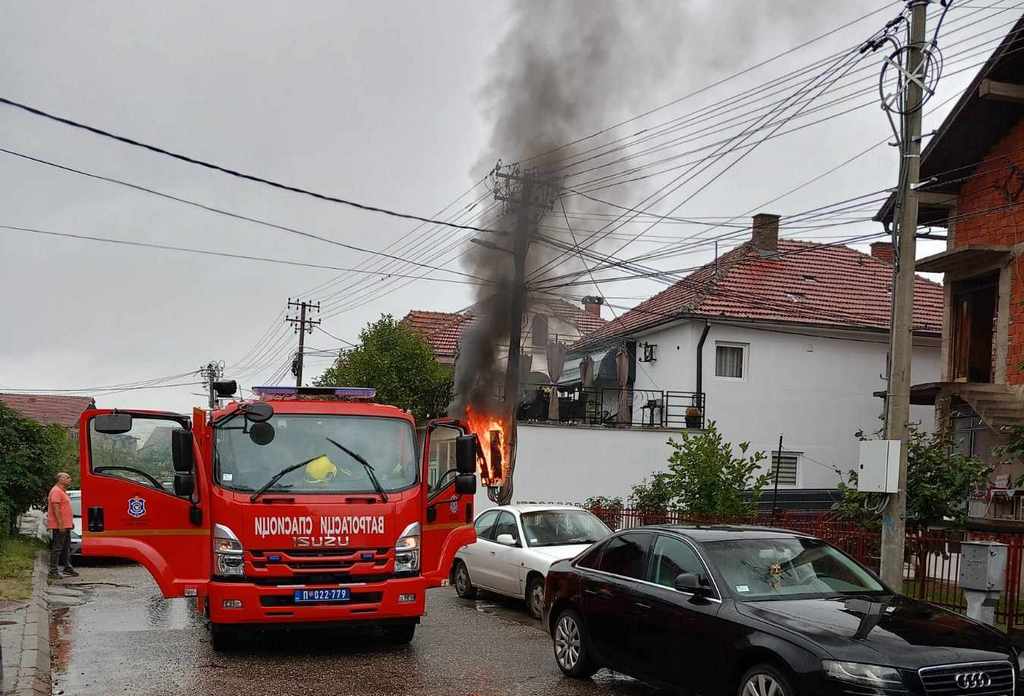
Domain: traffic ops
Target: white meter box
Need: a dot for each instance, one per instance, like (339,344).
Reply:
(879,466)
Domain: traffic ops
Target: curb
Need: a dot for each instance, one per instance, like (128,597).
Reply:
(34,671)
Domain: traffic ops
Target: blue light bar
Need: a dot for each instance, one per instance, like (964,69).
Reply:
(351,393)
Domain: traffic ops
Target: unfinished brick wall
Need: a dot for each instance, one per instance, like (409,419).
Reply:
(991,211)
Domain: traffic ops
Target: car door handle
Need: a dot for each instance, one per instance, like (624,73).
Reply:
(641,605)
(598,593)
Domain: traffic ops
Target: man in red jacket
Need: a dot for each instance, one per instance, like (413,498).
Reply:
(60,520)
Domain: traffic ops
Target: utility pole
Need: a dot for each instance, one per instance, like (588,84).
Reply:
(302,325)
(901,345)
(211,372)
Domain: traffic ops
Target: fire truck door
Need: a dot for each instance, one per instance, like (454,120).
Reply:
(448,515)
(137,505)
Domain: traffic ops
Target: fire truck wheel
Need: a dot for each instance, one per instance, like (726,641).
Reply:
(400,634)
(223,638)
(463,586)
(535,596)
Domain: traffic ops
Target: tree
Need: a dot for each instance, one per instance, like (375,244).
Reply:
(399,364)
(707,479)
(30,457)
(939,479)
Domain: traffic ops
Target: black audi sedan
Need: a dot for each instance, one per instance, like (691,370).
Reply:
(760,612)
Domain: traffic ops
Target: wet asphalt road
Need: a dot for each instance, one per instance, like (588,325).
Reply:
(122,637)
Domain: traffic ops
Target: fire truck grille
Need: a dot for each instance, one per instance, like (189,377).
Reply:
(288,600)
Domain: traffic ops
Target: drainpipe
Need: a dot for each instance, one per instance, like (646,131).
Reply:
(700,362)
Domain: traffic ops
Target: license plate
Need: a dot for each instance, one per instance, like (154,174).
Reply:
(335,594)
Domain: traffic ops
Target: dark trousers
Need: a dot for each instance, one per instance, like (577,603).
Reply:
(60,549)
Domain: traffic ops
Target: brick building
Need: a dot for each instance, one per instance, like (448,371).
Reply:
(972,175)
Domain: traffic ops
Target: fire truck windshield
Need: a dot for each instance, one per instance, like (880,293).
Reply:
(242,465)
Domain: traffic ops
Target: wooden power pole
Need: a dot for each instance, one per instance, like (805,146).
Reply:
(902,334)
(303,325)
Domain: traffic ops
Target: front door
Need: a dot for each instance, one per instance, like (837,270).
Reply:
(677,631)
(129,506)
(507,561)
(447,516)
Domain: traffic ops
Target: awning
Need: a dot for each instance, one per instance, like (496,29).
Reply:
(921,394)
(571,369)
(964,258)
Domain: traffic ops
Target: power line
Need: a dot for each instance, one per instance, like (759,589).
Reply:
(227,170)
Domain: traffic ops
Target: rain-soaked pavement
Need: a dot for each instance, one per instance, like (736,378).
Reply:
(122,637)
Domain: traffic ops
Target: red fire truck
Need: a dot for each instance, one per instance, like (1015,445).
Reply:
(307,506)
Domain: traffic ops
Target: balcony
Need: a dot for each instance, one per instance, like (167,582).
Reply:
(613,407)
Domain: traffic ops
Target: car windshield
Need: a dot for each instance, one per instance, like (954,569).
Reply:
(759,569)
(386,443)
(562,527)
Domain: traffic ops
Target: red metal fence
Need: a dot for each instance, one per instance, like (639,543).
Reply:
(931,569)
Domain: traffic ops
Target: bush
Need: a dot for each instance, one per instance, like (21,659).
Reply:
(653,496)
(30,457)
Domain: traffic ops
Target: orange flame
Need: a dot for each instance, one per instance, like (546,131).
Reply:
(493,433)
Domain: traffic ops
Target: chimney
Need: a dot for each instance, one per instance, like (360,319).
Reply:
(765,236)
(882,251)
(592,305)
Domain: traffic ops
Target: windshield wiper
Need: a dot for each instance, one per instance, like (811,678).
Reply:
(278,476)
(366,465)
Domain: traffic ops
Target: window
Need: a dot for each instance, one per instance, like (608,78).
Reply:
(592,557)
(539,331)
(785,468)
(562,527)
(485,525)
(730,359)
(141,455)
(506,524)
(626,555)
(670,558)
(441,457)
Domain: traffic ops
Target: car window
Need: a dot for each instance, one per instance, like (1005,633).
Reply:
(592,557)
(506,524)
(626,555)
(562,527)
(142,455)
(759,569)
(485,525)
(669,558)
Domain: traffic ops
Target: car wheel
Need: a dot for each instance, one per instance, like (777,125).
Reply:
(535,596)
(765,680)
(400,634)
(463,587)
(571,651)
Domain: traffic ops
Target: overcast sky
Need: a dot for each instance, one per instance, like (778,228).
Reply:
(377,102)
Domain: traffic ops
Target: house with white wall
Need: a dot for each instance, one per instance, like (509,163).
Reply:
(776,337)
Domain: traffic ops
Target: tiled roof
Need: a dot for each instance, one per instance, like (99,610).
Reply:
(805,283)
(49,409)
(442,330)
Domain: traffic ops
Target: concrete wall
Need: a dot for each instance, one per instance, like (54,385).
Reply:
(569,464)
(813,388)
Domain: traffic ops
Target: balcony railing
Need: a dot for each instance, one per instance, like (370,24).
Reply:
(644,408)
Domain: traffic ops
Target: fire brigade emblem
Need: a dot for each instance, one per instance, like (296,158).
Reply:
(136,507)
(454,505)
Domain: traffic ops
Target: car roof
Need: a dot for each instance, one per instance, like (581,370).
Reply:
(726,532)
(536,507)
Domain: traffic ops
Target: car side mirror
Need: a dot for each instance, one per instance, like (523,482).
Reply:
(465,484)
(507,540)
(691,583)
(181,451)
(465,454)
(113,423)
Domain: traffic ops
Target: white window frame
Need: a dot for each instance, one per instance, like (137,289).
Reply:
(771,469)
(745,361)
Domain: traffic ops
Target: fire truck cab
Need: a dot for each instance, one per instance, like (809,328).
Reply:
(307,506)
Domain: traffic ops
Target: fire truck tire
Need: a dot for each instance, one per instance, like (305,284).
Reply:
(400,634)
(463,586)
(223,638)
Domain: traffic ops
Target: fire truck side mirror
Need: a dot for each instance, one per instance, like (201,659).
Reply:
(465,454)
(258,412)
(181,452)
(184,485)
(465,484)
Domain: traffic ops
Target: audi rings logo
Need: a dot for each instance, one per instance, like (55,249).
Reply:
(973,680)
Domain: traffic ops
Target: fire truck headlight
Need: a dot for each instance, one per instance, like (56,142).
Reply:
(407,550)
(227,553)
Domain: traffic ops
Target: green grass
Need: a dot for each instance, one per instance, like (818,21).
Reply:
(17,556)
